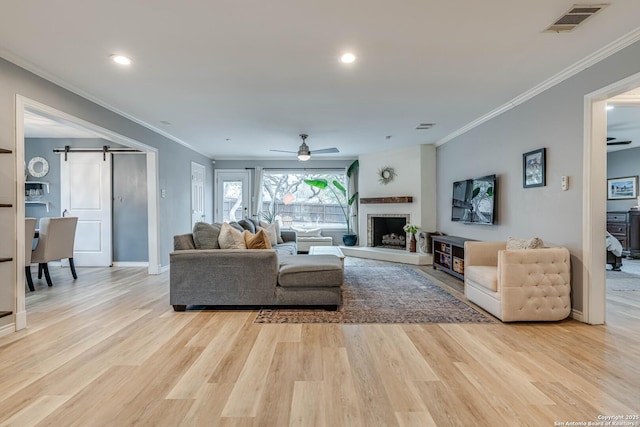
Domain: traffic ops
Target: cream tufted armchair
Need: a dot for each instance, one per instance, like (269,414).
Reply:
(518,284)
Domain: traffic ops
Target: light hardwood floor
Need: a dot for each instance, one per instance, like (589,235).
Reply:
(108,349)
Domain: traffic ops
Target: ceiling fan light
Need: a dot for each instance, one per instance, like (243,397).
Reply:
(303,152)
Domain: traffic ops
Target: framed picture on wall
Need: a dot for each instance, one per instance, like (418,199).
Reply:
(533,168)
(622,188)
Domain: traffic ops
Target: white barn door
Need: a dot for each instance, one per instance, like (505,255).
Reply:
(85,189)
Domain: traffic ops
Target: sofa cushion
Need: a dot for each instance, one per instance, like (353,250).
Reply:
(484,275)
(205,236)
(183,242)
(286,248)
(310,271)
(270,231)
(247,225)
(308,232)
(532,243)
(277,226)
(230,237)
(237,226)
(256,241)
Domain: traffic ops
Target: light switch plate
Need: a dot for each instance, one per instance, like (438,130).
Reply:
(565,183)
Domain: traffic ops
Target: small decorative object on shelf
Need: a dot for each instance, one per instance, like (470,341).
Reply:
(411,229)
(386,175)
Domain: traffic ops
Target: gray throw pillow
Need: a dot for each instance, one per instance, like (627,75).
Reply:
(236,226)
(247,225)
(205,236)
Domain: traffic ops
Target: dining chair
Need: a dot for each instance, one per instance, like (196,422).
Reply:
(29,232)
(55,242)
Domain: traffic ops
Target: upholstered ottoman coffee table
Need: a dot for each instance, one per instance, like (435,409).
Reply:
(305,279)
(327,250)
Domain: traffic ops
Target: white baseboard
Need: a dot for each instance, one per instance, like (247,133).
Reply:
(577,315)
(130,264)
(21,320)
(7,329)
(164,268)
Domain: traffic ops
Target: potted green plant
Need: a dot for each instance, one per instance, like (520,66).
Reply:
(411,229)
(345,202)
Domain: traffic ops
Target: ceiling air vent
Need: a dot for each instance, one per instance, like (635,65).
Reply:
(424,126)
(574,17)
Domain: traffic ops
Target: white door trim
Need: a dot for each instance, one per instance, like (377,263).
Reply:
(22,103)
(594,198)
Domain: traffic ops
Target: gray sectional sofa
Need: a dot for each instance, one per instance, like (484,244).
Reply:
(252,277)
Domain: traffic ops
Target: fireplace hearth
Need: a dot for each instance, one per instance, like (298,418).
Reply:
(386,231)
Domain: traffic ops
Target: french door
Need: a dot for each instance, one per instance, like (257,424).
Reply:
(233,195)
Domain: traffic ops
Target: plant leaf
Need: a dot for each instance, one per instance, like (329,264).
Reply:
(339,187)
(353,199)
(318,183)
(353,167)
(476,191)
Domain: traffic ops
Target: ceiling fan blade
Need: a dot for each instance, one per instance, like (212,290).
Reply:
(325,151)
(618,142)
(610,138)
(284,151)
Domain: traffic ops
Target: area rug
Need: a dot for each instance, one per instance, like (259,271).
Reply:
(622,281)
(376,292)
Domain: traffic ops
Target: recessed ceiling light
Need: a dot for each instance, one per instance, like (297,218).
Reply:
(348,58)
(165,122)
(119,59)
(610,107)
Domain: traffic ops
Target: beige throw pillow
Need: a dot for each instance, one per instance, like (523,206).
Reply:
(270,231)
(230,238)
(260,240)
(533,243)
(277,227)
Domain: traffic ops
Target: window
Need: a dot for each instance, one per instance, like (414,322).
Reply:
(288,199)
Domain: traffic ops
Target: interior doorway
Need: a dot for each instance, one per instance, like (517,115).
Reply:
(594,198)
(26,106)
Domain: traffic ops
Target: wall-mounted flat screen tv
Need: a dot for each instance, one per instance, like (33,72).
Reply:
(474,200)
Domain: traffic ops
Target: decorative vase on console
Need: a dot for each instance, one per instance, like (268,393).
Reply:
(411,229)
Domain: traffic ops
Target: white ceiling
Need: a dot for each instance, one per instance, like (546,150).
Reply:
(236,78)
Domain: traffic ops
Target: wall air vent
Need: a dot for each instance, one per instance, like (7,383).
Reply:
(574,17)
(425,126)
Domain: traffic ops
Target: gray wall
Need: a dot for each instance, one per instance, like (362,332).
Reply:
(619,164)
(553,119)
(174,160)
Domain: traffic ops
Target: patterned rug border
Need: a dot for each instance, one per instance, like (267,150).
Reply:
(464,312)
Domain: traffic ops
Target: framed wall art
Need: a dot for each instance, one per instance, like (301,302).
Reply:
(622,188)
(534,168)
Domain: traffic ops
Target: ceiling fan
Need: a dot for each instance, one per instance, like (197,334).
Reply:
(612,141)
(304,153)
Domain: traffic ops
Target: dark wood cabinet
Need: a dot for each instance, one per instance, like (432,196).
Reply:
(625,226)
(448,254)
(634,234)
(618,226)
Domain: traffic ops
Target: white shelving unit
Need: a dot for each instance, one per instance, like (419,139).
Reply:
(37,184)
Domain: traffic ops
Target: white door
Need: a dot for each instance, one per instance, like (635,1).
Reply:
(232,195)
(85,189)
(197,193)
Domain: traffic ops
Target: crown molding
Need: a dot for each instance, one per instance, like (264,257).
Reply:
(563,75)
